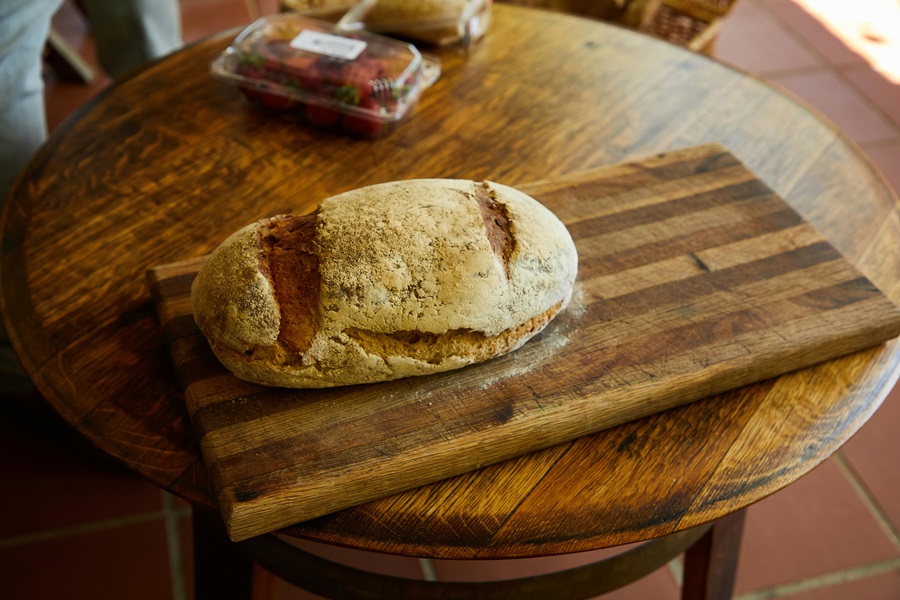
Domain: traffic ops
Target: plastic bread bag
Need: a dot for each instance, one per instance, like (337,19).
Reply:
(436,22)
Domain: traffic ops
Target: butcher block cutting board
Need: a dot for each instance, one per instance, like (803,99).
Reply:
(694,278)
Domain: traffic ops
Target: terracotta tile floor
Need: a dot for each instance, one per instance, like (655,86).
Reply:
(83,529)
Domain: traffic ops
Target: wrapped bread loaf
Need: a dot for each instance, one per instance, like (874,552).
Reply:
(387,281)
(438,22)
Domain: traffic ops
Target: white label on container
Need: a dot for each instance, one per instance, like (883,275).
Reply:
(328,44)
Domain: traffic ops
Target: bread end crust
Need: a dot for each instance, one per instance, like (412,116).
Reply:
(232,297)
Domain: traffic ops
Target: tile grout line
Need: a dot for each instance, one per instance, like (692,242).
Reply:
(676,570)
(826,65)
(871,504)
(822,581)
(428,571)
(81,528)
(171,516)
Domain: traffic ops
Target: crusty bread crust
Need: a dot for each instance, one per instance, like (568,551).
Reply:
(413,277)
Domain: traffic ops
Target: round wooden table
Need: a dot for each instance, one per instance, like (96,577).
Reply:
(163,165)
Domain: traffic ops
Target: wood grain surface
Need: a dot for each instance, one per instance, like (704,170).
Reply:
(694,279)
(164,164)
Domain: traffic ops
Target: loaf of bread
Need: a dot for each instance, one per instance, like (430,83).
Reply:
(387,281)
(439,22)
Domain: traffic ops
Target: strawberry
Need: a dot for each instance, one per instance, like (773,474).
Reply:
(274,101)
(366,124)
(290,67)
(251,67)
(322,115)
(255,67)
(362,74)
(249,94)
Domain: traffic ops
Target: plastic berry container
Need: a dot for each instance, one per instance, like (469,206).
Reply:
(435,22)
(360,83)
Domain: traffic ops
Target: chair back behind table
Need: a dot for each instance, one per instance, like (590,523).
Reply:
(693,24)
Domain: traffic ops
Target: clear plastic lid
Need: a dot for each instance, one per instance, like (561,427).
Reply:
(291,61)
(439,22)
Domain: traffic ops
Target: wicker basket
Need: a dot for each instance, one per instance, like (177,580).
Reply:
(693,24)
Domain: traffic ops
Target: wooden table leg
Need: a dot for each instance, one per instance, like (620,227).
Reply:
(65,61)
(329,579)
(221,568)
(710,564)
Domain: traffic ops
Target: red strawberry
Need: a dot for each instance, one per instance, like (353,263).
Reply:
(369,123)
(249,94)
(322,115)
(354,80)
(274,101)
(251,66)
(329,71)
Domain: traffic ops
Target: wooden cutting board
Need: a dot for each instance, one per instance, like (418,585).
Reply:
(694,278)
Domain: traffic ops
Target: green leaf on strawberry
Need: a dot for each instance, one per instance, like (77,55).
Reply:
(251,60)
(348,94)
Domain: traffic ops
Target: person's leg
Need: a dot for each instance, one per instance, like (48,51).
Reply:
(128,33)
(24,26)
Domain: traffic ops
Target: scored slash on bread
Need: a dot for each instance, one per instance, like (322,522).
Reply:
(392,280)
